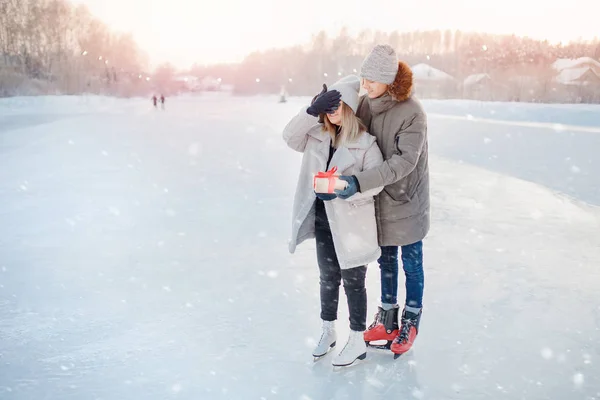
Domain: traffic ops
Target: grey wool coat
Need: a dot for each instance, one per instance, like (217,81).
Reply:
(352,221)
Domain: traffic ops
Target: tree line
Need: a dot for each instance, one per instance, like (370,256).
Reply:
(53,46)
(520,67)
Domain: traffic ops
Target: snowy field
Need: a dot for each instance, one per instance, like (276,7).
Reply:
(143,255)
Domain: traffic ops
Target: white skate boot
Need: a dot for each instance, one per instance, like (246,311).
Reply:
(355,349)
(327,341)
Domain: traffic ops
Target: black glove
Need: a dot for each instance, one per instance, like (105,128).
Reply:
(326,196)
(351,188)
(322,92)
(321,116)
(326,102)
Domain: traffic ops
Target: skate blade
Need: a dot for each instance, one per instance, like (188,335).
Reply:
(398,355)
(386,346)
(317,358)
(362,357)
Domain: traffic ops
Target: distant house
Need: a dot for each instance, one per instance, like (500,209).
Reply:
(578,76)
(478,87)
(477,80)
(570,63)
(580,71)
(426,73)
(578,79)
(431,82)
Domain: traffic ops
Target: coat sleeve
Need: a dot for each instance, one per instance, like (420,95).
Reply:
(409,143)
(295,134)
(373,159)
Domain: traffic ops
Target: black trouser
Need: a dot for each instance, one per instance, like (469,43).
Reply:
(331,275)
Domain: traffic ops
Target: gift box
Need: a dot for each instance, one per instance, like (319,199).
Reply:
(327,182)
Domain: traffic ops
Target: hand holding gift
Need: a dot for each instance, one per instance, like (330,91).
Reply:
(351,189)
(328,182)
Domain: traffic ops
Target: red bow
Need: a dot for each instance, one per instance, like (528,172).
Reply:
(330,175)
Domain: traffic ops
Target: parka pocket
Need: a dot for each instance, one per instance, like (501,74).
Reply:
(398,191)
(361,202)
(404,190)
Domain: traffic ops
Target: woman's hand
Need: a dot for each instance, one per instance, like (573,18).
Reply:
(325,103)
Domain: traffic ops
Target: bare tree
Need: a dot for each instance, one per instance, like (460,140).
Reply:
(51,43)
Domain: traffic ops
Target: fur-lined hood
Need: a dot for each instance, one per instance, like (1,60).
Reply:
(402,87)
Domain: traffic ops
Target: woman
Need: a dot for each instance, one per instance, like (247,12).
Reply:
(398,121)
(345,230)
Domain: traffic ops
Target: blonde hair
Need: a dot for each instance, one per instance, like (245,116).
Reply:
(351,127)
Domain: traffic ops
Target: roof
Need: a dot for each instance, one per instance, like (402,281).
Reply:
(427,72)
(475,79)
(567,63)
(575,76)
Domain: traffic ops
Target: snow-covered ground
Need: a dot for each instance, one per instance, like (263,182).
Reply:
(143,255)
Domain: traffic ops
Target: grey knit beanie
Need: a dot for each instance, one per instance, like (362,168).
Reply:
(348,86)
(381,65)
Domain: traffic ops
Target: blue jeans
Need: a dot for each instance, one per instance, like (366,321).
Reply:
(412,262)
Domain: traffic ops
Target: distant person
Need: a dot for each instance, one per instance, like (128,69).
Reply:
(162,101)
(154,100)
(345,230)
(397,119)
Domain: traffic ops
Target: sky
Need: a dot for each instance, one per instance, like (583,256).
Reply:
(185,32)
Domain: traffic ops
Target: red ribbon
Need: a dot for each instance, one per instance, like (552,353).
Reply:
(330,175)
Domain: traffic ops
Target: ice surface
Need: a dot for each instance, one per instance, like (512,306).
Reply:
(103,297)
